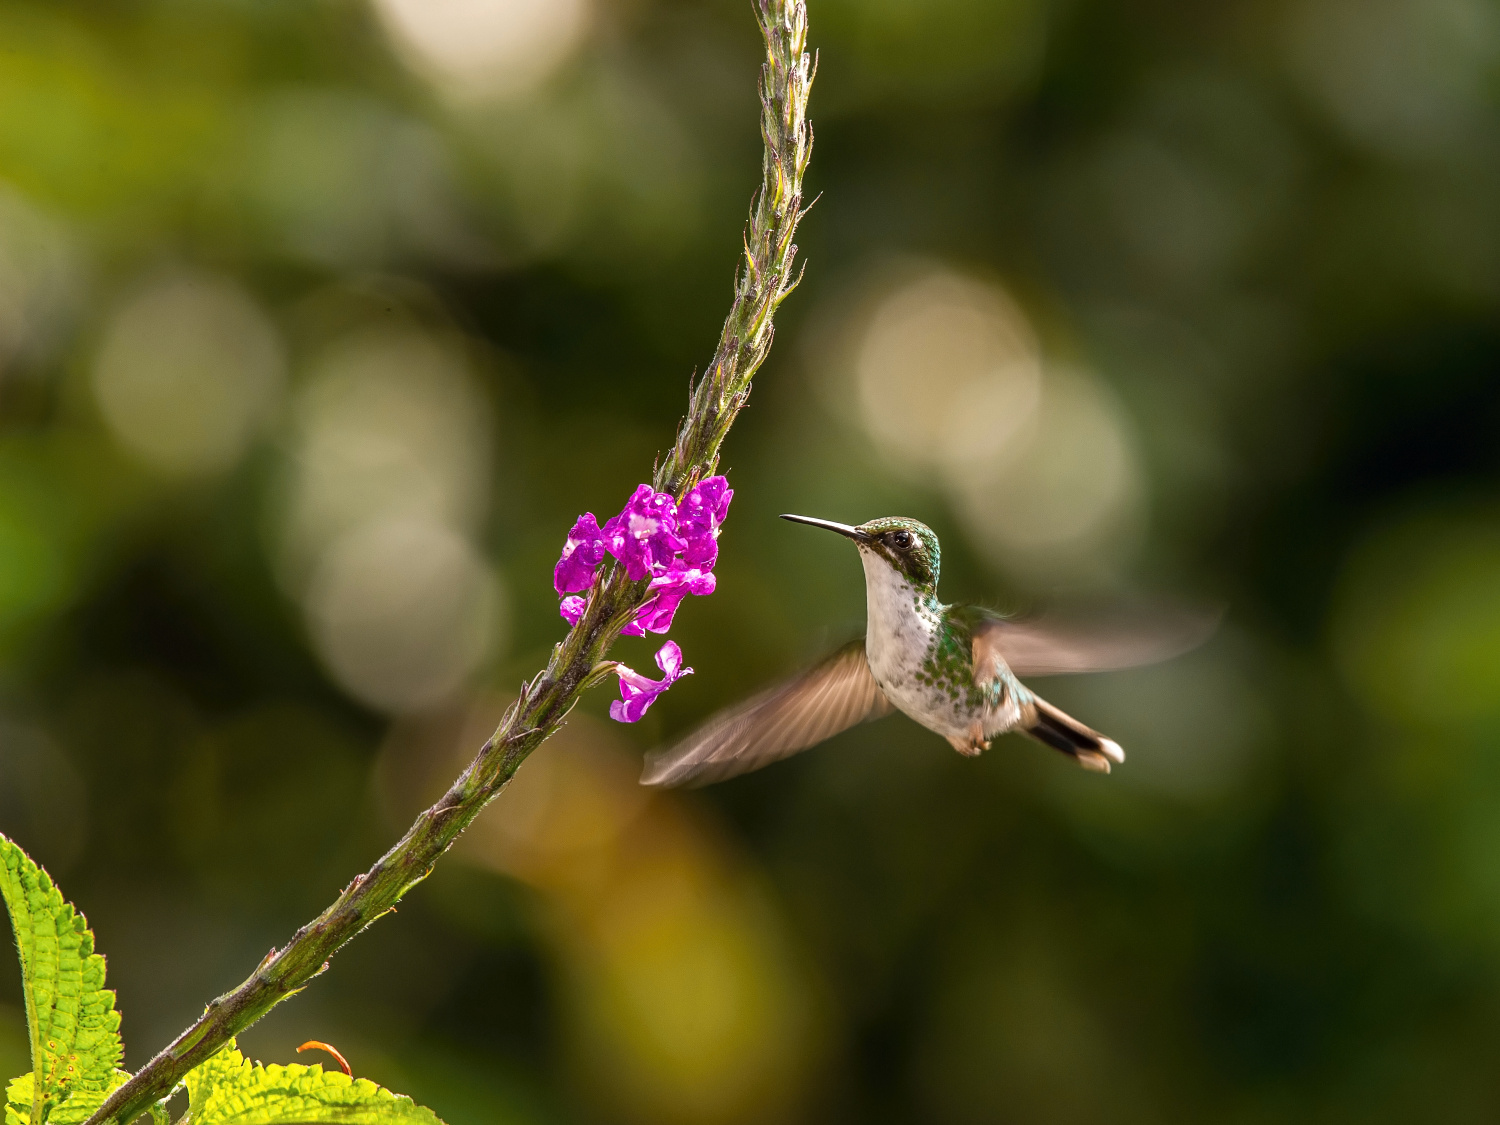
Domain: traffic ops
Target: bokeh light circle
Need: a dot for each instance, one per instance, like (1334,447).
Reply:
(403,612)
(188,370)
(948,370)
(480,48)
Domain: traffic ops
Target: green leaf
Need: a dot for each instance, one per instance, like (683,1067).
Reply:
(75,1030)
(229,1090)
(78,1108)
(18,1097)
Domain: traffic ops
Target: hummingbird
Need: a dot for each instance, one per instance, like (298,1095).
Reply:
(952,668)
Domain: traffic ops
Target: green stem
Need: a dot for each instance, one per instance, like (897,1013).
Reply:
(762,283)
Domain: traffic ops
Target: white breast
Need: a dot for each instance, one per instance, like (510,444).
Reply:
(901,630)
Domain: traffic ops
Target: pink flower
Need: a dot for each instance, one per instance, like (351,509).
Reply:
(572,609)
(667,592)
(637,692)
(581,556)
(699,517)
(644,535)
(675,547)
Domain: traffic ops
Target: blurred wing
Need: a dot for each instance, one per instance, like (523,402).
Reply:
(1049,647)
(801,712)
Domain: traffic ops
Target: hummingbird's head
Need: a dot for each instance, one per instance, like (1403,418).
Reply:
(908,547)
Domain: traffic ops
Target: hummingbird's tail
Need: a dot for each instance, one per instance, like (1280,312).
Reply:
(1063,732)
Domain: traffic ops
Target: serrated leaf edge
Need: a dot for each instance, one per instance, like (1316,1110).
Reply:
(229,1072)
(95,1019)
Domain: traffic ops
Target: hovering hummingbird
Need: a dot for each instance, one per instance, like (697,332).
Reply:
(952,668)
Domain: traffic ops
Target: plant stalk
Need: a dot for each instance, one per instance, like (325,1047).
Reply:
(762,282)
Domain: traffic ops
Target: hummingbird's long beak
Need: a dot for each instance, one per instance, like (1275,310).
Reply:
(842,528)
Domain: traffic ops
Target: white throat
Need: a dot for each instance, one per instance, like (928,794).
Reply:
(900,628)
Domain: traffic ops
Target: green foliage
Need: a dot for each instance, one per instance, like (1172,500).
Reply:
(230,1090)
(75,1036)
(20,1101)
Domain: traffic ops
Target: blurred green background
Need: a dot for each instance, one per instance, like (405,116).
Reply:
(321,321)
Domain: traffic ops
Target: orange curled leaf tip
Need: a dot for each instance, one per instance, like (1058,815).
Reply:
(316,1045)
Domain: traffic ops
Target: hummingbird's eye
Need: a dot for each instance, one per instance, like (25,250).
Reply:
(901,540)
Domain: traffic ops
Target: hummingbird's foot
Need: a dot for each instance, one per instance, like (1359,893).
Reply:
(971,743)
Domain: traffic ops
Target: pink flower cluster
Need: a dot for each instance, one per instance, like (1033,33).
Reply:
(674,545)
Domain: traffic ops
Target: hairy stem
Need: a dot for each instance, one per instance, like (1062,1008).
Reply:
(762,282)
